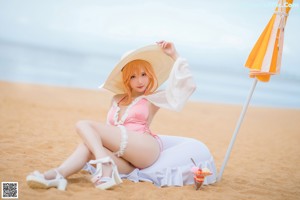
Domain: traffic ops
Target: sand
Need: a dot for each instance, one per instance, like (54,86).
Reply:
(37,131)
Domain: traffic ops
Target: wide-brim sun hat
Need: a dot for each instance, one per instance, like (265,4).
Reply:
(161,63)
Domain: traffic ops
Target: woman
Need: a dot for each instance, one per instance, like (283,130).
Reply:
(125,142)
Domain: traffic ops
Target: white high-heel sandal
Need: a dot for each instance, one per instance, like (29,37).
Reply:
(37,180)
(106,182)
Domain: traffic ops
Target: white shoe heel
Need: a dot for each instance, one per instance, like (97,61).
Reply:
(62,185)
(115,175)
(107,182)
(37,180)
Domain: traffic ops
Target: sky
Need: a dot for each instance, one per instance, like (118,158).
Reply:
(216,35)
(84,25)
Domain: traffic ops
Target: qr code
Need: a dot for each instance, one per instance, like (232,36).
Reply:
(9,190)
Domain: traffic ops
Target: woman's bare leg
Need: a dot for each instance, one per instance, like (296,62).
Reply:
(79,157)
(91,139)
(73,163)
(142,149)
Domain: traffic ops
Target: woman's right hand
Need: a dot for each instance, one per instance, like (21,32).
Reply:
(168,48)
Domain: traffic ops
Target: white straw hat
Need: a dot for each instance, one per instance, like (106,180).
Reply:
(161,63)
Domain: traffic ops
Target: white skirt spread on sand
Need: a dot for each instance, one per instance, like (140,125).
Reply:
(173,167)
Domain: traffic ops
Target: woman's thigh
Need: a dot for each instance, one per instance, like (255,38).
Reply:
(142,149)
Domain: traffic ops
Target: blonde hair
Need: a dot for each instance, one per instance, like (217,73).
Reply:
(136,66)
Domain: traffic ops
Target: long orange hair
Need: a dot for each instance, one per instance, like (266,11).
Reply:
(133,67)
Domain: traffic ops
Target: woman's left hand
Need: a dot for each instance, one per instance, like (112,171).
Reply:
(168,48)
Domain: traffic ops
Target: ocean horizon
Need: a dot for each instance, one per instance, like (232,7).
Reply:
(229,85)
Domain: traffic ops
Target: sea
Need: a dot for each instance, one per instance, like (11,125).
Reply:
(25,63)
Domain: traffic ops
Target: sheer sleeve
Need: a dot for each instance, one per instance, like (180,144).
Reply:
(180,86)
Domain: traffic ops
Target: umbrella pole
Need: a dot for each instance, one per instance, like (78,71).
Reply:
(237,129)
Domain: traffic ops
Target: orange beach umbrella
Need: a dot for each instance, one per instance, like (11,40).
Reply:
(265,57)
(264,60)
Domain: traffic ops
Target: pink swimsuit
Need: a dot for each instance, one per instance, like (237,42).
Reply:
(135,117)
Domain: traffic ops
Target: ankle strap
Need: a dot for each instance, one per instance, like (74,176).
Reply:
(58,175)
(99,163)
(102,160)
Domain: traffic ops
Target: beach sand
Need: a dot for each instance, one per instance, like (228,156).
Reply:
(37,131)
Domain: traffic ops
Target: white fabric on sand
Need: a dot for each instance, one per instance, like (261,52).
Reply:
(173,168)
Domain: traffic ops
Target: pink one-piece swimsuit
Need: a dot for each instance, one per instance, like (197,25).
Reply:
(135,117)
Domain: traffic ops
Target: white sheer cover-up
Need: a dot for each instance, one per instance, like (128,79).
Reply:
(180,86)
(173,167)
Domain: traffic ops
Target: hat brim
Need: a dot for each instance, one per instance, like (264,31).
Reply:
(162,65)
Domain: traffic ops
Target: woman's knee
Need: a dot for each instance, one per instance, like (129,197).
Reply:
(82,125)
